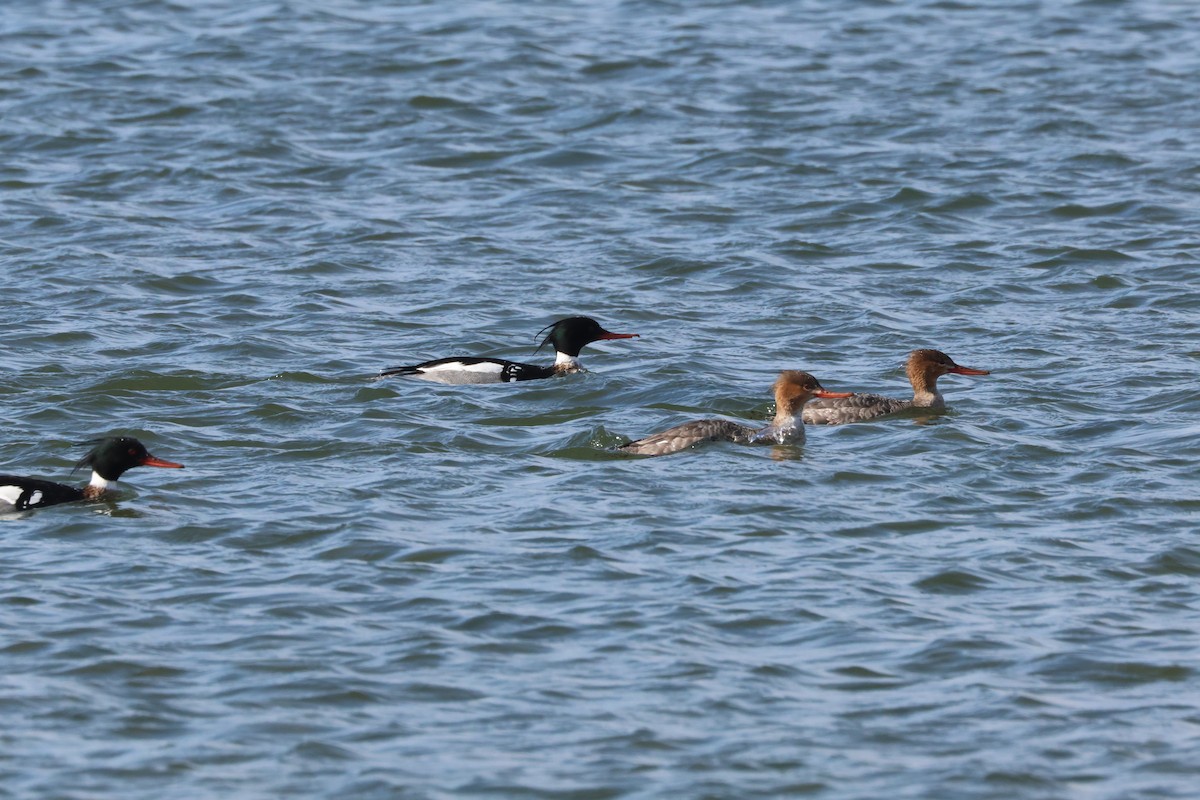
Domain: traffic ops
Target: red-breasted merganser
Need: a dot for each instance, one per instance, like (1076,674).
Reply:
(793,389)
(924,367)
(109,459)
(567,335)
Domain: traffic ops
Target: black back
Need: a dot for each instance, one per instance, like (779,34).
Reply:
(37,493)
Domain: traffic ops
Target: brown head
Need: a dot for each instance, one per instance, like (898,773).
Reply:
(794,388)
(924,367)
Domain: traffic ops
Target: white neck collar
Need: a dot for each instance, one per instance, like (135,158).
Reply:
(932,399)
(103,484)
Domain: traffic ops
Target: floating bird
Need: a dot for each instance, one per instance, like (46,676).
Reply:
(568,336)
(793,389)
(109,460)
(924,367)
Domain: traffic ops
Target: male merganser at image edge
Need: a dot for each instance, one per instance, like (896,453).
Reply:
(109,460)
(793,389)
(924,367)
(568,336)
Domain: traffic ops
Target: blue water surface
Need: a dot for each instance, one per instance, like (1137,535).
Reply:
(220,220)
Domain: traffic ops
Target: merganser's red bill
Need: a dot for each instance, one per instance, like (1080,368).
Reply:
(610,335)
(152,461)
(957,370)
(832,395)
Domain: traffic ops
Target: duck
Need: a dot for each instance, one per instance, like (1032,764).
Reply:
(793,388)
(111,458)
(924,367)
(568,336)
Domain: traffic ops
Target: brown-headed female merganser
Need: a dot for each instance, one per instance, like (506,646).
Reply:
(793,389)
(567,335)
(109,460)
(924,367)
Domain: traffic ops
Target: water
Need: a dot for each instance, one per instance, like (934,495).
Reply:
(221,219)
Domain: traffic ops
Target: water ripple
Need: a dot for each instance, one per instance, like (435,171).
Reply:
(224,220)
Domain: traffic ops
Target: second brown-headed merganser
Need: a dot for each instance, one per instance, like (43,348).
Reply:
(924,367)
(793,389)
(568,336)
(109,460)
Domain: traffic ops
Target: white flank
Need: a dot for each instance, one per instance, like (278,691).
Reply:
(458,372)
(10,494)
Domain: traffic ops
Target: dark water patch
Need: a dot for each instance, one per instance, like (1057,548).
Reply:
(859,686)
(953,582)
(803,250)
(1013,780)
(1176,561)
(127,670)
(909,196)
(666,183)
(264,540)
(365,550)
(311,751)
(173,112)
(966,202)
(1112,160)
(1071,667)
(494,788)
(1070,256)
(435,693)
(15,184)
(675,267)
(892,524)
(860,672)
(25,647)
(1077,211)
(751,624)
(435,555)
(606,68)
(598,446)
(147,381)
(719,215)
(464,160)
(955,656)
(186,285)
